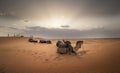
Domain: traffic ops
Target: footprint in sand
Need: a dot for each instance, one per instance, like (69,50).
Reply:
(46,59)
(16,54)
(32,54)
(81,53)
(57,58)
(35,52)
(23,51)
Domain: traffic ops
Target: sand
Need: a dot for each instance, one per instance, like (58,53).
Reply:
(17,55)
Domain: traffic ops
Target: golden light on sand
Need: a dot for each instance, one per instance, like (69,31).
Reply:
(94,56)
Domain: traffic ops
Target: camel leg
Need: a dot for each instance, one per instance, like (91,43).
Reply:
(57,50)
(71,50)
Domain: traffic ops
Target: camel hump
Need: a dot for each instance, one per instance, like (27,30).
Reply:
(66,42)
(79,42)
(57,44)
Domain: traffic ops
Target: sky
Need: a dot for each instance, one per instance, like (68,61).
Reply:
(60,18)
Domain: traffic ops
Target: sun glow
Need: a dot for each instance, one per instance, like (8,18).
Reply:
(57,22)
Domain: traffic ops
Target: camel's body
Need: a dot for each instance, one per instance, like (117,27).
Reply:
(62,47)
(66,47)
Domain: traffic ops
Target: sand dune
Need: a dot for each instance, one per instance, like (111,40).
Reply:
(17,55)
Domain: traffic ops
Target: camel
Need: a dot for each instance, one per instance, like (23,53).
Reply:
(78,45)
(66,47)
(32,40)
(45,41)
(61,47)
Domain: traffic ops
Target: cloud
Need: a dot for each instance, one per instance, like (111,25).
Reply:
(42,32)
(2,14)
(68,7)
(4,30)
(65,26)
(70,33)
(88,18)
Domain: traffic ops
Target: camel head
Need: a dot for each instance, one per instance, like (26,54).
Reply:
(78,45)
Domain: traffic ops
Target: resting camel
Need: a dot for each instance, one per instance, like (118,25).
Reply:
(66,47)
(32,40)
(45,41)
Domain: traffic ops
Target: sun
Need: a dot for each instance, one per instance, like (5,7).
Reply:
(55,22)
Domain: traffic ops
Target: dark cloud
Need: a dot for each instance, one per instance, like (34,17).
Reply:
(65,26)
(108,7)
(80,7)
(4,30)
(6,27)
(70,33)
(42,32)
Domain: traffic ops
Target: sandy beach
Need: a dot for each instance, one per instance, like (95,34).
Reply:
(17,55)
